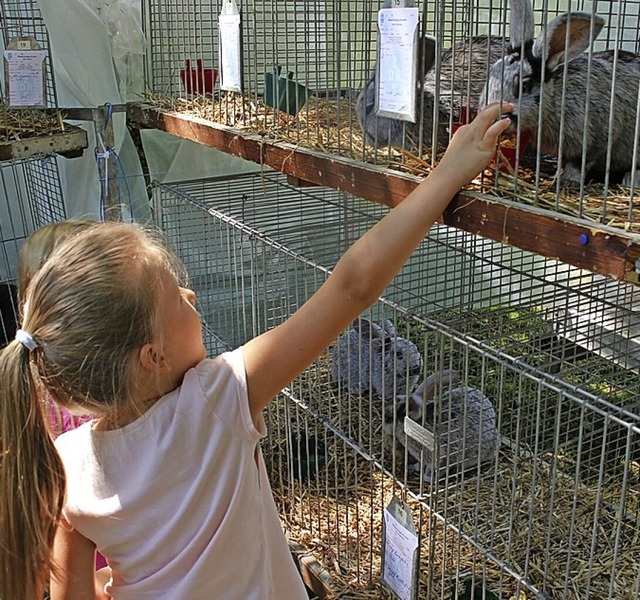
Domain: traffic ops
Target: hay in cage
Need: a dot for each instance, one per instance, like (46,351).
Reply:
(534,513)
(330,125)
(524,511)
(21,124)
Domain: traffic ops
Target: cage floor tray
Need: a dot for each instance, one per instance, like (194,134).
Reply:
(69,143)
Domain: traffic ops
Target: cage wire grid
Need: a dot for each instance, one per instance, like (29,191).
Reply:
(553,515)
(21,18)
(331,50)
(30,197)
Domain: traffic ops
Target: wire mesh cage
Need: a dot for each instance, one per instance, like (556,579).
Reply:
(569,156)
(30,121)
(519,458)
(31,197)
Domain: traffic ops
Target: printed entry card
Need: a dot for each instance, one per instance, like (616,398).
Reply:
(24,70)
(230,47)
(397,63)
(399,551)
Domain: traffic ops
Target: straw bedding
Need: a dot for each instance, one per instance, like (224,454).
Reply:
(23,124)
(330,125)
(526,511)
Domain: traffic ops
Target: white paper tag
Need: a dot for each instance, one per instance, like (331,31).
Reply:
(25,77)
(230,49)
(397,62)
(399,556)
(419,434)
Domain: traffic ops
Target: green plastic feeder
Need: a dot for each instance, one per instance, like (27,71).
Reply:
(284,93)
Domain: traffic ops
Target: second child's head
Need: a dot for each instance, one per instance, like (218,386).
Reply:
(41,243)
(94,305)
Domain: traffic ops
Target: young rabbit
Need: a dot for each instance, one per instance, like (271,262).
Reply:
(373,358)
(461,78)
(461,420)
(589,97)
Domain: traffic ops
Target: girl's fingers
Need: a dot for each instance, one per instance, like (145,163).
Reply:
(489,126)
(496,129)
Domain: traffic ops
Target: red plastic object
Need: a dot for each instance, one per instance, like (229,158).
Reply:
(198,80)
(509,153)
(466,116)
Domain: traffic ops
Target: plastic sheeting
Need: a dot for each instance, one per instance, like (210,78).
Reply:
(98,56)
(98,52)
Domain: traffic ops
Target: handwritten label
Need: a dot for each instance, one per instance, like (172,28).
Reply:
(25,77)
(397,55)
(419,434)
(399,550)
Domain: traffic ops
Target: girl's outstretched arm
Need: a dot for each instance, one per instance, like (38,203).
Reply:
(275,358)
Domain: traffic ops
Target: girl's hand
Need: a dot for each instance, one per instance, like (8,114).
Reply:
(473,145)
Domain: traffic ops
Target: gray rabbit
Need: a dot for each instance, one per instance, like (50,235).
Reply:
(462,76)
(460,424)
(372,358)
(588,96)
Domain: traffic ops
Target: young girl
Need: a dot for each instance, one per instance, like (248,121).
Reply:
(167,481)
(34,252)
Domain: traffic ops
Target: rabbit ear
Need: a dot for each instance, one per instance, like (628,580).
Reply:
(446,377)
(363,327)
(420,389)
(388,327)
(375,331)
(449,377)
(556,48)
(427,56)
(414,405)
(520,23)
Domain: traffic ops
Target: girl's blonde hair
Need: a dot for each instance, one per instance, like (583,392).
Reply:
(36,249)
(90,308)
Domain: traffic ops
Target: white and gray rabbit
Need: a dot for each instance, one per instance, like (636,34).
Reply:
(584,97)
(372,358)
(460,419)
(463,72)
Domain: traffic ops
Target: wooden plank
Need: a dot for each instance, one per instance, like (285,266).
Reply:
(554,236)
(367,181)
(314,575)
(70,144)
(593,247)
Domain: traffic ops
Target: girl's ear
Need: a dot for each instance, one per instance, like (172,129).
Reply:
(152,358)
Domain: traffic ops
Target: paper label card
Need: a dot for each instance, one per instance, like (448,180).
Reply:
(397,62)
(24,70)
(230,47)
(399,551)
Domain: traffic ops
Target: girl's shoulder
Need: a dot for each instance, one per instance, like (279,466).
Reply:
(225,369)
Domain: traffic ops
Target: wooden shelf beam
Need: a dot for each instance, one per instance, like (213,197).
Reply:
(603,250)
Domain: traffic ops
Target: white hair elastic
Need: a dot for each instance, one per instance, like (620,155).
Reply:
(26,339)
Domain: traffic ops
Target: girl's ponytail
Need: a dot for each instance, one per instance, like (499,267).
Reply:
(32,480)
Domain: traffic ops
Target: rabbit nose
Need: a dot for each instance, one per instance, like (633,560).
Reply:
(513,117)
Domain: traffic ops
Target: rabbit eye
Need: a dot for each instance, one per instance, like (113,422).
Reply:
(527,84)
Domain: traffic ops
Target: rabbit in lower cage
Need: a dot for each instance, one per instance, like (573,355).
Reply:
(584,97)
(373,358)
(461,420)
(462,75)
